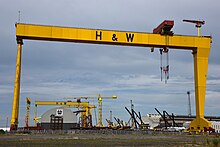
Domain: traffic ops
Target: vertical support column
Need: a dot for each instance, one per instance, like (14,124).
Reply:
(83,118)
(198,31)
(87,116)
(35,115)
(15,106)
(200,73)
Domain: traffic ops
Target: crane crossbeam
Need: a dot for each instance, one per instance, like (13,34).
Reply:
(67,104)
(112,37)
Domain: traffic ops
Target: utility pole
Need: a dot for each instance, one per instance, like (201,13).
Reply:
(110,116)
(132,120)
(189,104)
(6,123)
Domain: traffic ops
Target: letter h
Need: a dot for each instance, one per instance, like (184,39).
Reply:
(98,35)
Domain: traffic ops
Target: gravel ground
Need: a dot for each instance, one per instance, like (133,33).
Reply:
(95,139)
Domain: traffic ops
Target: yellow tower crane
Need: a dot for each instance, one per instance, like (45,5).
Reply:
(199,45)
(100,124)
(86,113)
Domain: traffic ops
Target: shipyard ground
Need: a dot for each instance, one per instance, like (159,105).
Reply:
(107,139)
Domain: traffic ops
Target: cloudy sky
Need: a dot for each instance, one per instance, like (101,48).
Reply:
(53,70)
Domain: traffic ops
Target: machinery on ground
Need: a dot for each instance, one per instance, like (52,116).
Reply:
(136,117)
(166,117)
(180,122)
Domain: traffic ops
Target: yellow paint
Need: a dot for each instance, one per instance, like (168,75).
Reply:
(100,124)
(66,104)
(199,44)
(198,28)
(83,105)
(35,116)
(66,34)
(15,106)
(27,117)
(200,73)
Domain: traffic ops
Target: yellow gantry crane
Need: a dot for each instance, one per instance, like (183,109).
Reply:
(199,45)
(99,98)
(86,113)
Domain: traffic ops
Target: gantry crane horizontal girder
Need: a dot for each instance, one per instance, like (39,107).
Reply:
(66,104)
(113,37)
(200,45)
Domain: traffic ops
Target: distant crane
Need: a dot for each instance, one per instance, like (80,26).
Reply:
(197,22)
(27,117)
(99,124)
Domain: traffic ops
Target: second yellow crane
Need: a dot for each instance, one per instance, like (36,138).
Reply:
(86,114)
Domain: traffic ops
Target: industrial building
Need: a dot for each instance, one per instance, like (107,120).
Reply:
(152,119)
(59,119)
(216,126)
(156,121)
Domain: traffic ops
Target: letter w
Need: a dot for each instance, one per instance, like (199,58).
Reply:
(130,37)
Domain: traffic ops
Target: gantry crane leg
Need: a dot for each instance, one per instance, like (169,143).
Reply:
(15,106)
(200,72)
(83,120)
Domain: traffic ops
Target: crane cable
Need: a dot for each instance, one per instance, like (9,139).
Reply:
(166,71)
(161,64)
(164,68)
